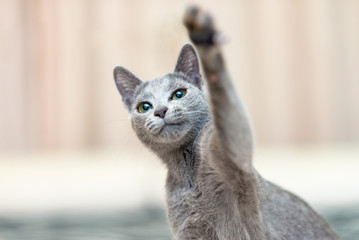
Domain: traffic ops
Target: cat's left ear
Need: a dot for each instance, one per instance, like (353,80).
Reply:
(126,84)
(187,63)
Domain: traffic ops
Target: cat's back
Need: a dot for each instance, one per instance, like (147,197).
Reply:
(288,217)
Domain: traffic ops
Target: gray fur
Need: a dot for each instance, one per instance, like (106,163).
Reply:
(213,191)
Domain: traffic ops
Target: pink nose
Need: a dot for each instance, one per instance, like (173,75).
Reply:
(161,112)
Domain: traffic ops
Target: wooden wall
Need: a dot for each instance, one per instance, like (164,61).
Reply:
(295,64)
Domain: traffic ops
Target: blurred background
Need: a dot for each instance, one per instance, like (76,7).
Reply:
(66,143)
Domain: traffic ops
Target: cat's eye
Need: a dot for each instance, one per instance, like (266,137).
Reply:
(144,107)
(180,93)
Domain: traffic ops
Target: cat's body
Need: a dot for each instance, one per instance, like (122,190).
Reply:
(232,203)
(213,192)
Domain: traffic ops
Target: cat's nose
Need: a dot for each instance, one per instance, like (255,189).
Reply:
(161,112)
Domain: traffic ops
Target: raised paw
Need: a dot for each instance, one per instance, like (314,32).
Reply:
(200,26)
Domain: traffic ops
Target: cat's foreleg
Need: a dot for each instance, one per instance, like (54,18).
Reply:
(232,129)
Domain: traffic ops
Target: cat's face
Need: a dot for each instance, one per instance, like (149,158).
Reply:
(167,112)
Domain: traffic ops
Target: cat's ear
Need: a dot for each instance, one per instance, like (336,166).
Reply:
(126,84)
(187,63)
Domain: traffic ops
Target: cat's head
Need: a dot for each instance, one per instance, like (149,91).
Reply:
(169,111)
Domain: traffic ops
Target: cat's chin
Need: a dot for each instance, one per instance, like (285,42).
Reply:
(172,133)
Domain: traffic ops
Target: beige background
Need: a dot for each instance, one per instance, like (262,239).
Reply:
(65,138)
(295,64)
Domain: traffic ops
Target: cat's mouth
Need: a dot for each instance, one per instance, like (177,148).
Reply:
(168,125)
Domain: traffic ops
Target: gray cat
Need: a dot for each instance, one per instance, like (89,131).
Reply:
(213,191)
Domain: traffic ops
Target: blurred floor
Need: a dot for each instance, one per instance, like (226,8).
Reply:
(131,178)
(105,194)
(141,224)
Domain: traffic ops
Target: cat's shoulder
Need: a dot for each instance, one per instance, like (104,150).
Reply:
(204,136)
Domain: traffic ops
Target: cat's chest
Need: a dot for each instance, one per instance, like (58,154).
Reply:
(199,207)
(210,215)
(187,211)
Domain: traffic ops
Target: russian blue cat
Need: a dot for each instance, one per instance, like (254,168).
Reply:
(213,191)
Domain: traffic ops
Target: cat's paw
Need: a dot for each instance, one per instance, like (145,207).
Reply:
(200,26)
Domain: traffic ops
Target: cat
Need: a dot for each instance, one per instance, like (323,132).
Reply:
(213,191)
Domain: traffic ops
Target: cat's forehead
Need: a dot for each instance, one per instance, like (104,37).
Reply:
(167,83)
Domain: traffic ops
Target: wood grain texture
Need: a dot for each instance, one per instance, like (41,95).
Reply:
(295,64)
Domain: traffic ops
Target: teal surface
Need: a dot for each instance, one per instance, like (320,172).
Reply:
(142,224)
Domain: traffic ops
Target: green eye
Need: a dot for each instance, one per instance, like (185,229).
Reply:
(144,107)
(179,94)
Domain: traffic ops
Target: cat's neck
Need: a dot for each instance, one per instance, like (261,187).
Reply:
(181,164)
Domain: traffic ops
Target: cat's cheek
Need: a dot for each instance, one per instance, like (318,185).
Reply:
(138,124)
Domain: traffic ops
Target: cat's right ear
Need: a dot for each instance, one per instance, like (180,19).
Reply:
(126,84)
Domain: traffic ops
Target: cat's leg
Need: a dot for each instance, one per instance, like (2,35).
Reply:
(232,130)
(227,145)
